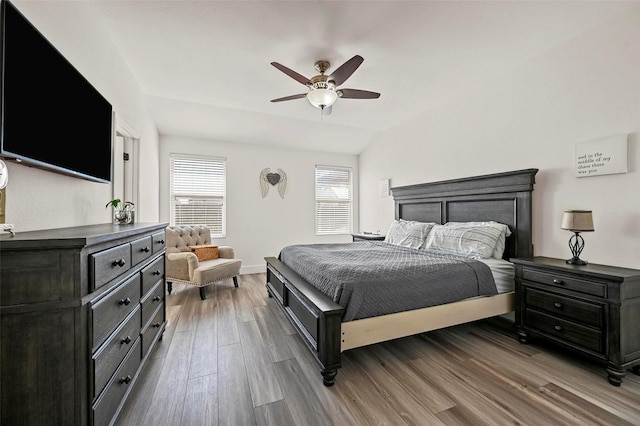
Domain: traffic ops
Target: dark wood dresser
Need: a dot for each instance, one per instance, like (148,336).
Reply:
(593,310)
(80,311)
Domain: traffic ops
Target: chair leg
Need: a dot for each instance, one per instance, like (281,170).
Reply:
(235,281)
(202,295)
(169,286)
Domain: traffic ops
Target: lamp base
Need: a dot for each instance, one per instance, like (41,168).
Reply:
(576,244)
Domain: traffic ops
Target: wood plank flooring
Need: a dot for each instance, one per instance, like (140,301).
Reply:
(234,359)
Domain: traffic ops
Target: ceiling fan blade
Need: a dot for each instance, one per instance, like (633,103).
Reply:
(289,98)
(358,94)
(345,70)
(298,77)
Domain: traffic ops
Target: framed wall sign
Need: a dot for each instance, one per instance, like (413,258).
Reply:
(604,156)
(385,187)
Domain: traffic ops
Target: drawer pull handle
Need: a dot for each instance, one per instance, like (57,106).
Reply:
(125,380)
(156,272)
(145,249)
(157,324)
(557,305)
(124,301)
(156,299)
(161,241)
(126,340)
(557,281)
(557,327)
(119,262)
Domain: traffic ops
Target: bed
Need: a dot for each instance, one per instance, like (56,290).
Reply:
(505,198)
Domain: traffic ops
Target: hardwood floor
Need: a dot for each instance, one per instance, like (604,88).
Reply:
(234,359)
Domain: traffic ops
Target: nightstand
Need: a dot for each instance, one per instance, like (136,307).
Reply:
(368,237)
(593,310)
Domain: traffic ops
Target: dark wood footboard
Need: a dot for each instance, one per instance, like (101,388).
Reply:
(315,316)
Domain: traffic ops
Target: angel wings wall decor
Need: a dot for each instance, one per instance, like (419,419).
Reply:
(267,177)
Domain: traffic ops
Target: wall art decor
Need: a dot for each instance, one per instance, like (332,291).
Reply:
(603,156)
(267,177)
(385,187)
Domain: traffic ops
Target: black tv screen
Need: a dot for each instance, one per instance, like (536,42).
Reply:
(52,117)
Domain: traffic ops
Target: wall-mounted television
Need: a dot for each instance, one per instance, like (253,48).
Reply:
(52,117)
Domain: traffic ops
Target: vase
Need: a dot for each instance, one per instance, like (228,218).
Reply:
(122,217)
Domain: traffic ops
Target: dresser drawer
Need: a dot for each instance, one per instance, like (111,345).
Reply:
(151,301)
(568,331)
(140,250)
(566,281)
(109,356)
(159,242)
(152,273)
(108,264)
(152,329)
(572,309)
(107,404)
(109,311)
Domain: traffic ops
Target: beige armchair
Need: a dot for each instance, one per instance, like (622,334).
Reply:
(182,266)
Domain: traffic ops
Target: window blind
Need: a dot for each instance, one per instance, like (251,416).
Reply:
(334,202)
(198,191)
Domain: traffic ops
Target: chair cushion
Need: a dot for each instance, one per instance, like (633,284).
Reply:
(210,271)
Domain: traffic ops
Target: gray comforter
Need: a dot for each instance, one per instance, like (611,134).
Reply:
(371,278)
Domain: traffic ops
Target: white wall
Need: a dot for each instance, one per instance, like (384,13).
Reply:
(256,226)
(38,199)
(532,118)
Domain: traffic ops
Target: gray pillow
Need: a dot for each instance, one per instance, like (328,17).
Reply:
(408,233)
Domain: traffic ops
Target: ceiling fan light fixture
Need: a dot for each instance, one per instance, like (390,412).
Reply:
(322,98)
(323,88)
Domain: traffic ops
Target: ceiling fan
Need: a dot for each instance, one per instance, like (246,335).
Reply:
(323,89)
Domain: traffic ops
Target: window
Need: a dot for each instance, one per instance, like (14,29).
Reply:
(197,192)
(334,202)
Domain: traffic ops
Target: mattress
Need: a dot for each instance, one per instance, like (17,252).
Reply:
(504,274)
(375,278)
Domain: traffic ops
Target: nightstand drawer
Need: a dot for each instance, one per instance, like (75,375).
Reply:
(566,281)
(586,337)
(575,310)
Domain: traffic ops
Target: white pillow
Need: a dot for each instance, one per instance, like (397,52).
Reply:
(408,233)
(477,242)
(500,244)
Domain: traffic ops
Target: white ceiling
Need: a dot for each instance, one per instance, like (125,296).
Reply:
(205,65)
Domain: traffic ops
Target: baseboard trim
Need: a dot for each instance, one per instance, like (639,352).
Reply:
(253,269)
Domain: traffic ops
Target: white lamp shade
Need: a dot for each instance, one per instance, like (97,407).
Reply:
(322,98)
(577,220)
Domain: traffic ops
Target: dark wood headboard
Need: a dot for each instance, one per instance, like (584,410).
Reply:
(501,197)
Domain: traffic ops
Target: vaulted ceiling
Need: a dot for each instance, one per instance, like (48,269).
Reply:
(205,65)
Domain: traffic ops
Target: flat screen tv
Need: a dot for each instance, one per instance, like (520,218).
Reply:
(52,117)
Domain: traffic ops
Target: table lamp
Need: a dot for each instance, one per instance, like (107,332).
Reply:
(577,221)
